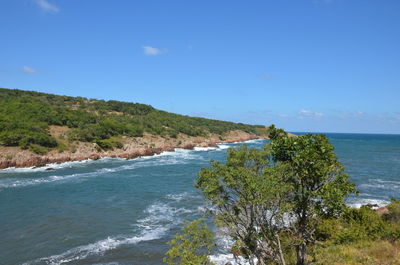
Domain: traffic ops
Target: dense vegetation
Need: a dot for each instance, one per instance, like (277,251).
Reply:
(285,204)
(25,117)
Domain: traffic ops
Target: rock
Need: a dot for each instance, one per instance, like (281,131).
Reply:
(49,168)
(382,210)
(189,146)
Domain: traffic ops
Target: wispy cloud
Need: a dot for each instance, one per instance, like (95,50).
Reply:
(151,51)
(46,6)
(28,70)
(309,113)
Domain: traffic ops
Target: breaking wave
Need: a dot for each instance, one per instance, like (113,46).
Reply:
(159,219)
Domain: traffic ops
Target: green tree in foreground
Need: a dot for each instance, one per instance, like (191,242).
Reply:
(193,246)
(277,194)
(318,183)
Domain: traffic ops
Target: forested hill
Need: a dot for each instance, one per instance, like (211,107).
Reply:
(26,117)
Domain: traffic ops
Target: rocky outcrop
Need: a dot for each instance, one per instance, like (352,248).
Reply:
(133,147)
(382,210)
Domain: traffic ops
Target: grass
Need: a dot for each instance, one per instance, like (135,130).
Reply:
(378,252)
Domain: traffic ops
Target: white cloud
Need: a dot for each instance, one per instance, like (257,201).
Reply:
(151,51)
(309,113)
(46,6)
(28,70)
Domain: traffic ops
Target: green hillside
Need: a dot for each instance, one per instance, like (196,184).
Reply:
(26,116)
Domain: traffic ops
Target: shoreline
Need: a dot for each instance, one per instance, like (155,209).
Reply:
(131,150)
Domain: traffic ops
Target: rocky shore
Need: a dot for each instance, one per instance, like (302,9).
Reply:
(147,145)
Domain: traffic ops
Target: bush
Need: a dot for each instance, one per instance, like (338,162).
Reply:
(40,150)
(24,138)
(109,144)
(394,211)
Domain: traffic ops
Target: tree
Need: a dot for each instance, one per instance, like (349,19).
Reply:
(193,246)
(262,195)
(317,179)
(250,200)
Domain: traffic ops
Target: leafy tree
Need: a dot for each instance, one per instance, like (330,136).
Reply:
(193,246)
(250,198)
(317,179)
(281,191)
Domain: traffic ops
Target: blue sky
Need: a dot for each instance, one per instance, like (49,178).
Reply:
(305,65)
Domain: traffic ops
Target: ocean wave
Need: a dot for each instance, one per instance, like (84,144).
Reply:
(15,183)
(254,141)
(385,181)
(357,203)
(222,259)
(97,248)
(46,167)
(177,197)
(183,196)
(55,166)
(177,153)
(159,215)
(223,146)
(200,148)
(383,186)
(159,219)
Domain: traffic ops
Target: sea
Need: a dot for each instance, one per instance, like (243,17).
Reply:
(116,211)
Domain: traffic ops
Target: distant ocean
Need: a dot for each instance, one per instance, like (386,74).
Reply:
(114,211)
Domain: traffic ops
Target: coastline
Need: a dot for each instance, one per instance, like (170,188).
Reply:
(147,145)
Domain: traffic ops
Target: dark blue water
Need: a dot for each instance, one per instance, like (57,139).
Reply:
(114,211)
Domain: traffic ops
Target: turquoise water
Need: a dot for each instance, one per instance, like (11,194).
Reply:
(115,211)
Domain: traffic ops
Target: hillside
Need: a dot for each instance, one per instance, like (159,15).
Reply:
(38,128)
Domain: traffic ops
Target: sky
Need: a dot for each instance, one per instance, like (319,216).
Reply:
(304,65)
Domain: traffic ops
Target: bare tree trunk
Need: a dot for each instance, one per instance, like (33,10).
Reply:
(280,250)
(301,254)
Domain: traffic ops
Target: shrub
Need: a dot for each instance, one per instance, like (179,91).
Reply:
(109,144)
(40,150)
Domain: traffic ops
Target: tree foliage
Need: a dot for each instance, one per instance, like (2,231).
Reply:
(317,179)
(192,246)
(276,195)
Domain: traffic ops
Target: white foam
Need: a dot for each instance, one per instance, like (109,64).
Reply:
(55,166)
(97,248)
(177,197)
(254,141)
(183,196)
(357,203)
(14,183)
(200,148)
(223,146)
(385,185)
(161,216)
(222,259)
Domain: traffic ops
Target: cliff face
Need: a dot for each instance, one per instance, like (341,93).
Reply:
(132,147)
